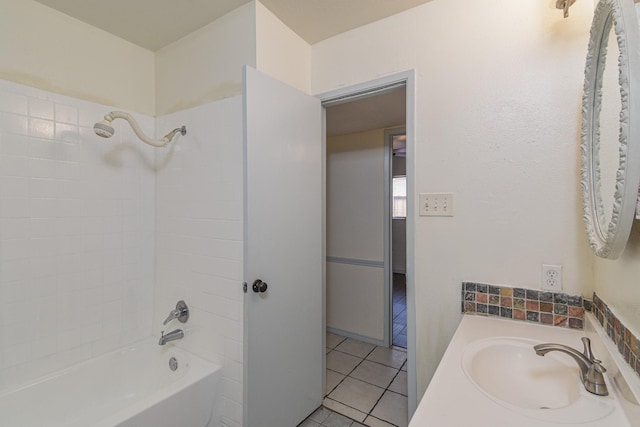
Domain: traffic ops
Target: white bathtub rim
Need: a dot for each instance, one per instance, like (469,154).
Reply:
(203,366)
(154,398)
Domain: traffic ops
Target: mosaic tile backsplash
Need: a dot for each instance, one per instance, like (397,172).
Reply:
(627,343)
(547,308)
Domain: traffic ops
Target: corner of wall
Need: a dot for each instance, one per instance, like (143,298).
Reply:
(48,50)
(280,52)
(206,65)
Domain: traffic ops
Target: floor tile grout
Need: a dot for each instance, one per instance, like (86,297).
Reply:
(399,326)
(349,374)
(399,310)
(373,361)
(384,389)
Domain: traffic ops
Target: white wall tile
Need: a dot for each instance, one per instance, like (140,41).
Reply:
(13,103)
(11,165)
(41,108)
(62,233)
(14,124)
(68,114)
(15,145)
(39,128)
(199,238)
(78,229)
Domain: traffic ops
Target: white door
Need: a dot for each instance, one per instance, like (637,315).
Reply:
(283,248)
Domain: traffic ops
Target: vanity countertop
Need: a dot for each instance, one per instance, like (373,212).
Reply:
(452,399)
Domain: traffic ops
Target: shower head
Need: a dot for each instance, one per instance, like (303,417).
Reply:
(104,129)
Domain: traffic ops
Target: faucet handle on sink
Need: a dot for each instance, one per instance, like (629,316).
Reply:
(591,371)
(586,343)
(593,379)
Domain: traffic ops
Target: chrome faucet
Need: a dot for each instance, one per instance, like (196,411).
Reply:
(181,313)
(171,336)
(590,368)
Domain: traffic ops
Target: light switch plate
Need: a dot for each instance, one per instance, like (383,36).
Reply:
(436,204)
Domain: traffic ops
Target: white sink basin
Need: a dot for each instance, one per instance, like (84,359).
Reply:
(508,371)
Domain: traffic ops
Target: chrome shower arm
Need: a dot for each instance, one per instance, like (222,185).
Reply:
(138,131)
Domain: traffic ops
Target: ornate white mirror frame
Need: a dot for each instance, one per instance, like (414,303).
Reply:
(608,237)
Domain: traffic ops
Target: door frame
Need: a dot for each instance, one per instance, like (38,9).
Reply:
(373,87)
(388,230)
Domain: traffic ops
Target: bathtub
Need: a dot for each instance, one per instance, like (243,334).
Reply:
(130,387)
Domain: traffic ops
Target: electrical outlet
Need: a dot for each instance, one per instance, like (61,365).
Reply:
(552,277)
(436,204)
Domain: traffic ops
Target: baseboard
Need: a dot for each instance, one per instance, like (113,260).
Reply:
(355,336)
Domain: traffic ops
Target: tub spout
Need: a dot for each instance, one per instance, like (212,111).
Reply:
(590,368)
(171,336)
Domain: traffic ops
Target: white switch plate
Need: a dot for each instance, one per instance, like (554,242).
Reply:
(436,204)
(552,277)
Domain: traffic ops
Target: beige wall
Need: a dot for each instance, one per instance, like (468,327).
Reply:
(46,49)
(280,52)
(355,301)
(617,282)
(497,120)
(355,180)
(355,221)
(82,61)
(206,65)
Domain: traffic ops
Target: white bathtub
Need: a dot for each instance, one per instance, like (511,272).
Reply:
(131,387)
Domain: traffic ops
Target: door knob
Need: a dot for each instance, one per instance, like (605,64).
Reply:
(259,286)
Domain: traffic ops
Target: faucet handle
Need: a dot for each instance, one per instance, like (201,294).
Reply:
(594,380)
(586,343)
(181,313)
(173,314)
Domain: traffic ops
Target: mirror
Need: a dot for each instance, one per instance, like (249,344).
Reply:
(610,147)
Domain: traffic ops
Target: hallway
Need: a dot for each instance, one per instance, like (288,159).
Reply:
(366,383)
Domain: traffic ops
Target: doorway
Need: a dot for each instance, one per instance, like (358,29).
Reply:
(360,358)
(396,140)
(301,297)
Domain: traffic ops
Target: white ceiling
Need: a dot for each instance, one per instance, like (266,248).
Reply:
(316,20)
(153,24)
(374,112)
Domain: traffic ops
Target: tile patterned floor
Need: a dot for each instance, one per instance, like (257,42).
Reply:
(399,310)
(326,418)
(366,386)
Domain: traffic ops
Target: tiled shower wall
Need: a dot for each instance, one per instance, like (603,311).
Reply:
(77,221)
(199,239)
(79,241)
